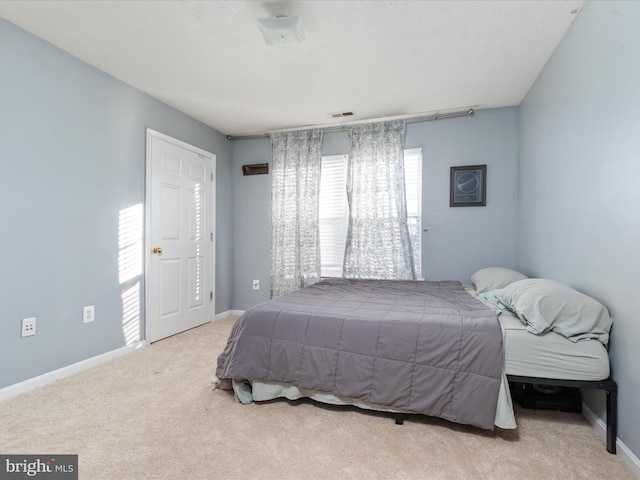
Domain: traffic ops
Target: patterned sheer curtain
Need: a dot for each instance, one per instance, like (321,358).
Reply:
(295,244)
(378,241)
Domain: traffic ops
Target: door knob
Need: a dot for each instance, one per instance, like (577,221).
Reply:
(157,250)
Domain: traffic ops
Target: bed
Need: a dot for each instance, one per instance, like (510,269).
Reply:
(433,348)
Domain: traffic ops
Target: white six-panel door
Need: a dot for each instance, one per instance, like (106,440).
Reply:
(180,233)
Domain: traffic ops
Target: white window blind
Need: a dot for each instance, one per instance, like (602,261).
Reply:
(333,214)
(413,190)
(334,210)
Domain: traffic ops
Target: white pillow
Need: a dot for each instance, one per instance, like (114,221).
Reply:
(545,305)
(491,278)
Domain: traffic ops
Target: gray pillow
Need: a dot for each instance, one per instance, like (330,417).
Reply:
(545,305)
(491,278)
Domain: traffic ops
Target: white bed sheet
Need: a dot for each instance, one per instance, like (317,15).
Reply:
(257,391)
(551,355)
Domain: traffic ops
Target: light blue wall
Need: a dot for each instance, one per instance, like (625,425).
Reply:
(461,240)
(251,224)
(458,241)
(579,196)
(72,152)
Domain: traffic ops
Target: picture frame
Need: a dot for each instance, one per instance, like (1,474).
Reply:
(468,187)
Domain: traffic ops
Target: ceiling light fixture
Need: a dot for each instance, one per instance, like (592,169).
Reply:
(281,30)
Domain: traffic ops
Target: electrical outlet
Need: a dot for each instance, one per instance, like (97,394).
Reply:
(28,326)
(88,314)
(256,284)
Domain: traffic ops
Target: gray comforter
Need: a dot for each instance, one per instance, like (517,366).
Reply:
(422,347)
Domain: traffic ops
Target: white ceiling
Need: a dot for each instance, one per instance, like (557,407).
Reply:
(377,58)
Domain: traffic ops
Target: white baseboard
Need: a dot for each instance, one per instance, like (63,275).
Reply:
(627,456)
(228,313)
(50,377)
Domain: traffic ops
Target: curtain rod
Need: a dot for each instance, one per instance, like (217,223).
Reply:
(425,118)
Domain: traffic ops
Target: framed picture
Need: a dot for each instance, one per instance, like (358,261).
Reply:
(468,186)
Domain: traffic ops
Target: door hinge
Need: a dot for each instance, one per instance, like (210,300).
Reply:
(211,296)
(212,176)
(211,236)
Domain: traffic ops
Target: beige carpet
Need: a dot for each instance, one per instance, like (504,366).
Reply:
(154,415)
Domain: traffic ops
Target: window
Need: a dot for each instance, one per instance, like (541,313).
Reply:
(334,210)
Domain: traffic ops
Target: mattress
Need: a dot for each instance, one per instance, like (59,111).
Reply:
(548,355)
(551,355)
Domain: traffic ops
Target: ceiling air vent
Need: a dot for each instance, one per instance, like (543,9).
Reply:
(255,169)
(341,114)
